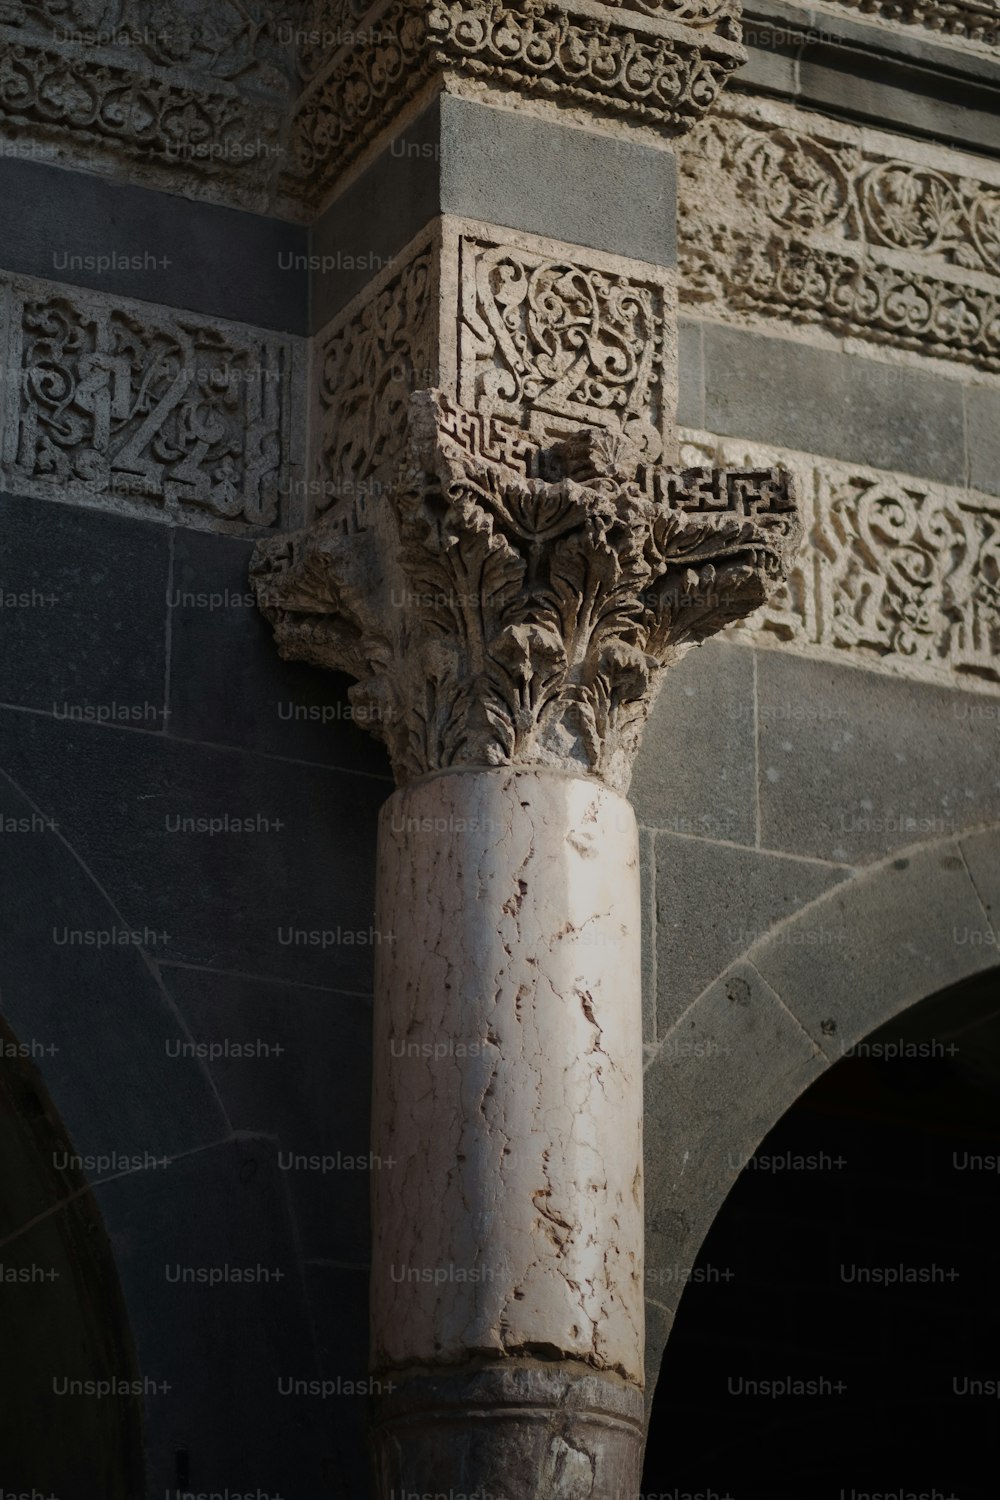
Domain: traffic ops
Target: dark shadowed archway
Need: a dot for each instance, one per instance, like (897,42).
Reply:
(70,1412)
(798,1001)
(847,1284)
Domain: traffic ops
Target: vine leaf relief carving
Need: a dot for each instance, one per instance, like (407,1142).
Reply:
(516,604)
(782,220)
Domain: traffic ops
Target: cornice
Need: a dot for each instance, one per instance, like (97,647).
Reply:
(266,108)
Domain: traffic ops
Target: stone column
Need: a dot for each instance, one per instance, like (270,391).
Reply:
(508,610)
(508,1084)
(505,563)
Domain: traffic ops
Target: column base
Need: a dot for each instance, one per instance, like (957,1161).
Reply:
(514,1429)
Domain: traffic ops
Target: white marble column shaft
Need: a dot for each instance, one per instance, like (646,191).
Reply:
(508,1073)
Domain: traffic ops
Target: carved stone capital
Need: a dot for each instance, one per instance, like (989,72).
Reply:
(511,604)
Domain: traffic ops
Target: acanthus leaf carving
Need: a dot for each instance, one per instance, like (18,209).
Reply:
(522,608)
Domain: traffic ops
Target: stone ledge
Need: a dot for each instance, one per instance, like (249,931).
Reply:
(899,76)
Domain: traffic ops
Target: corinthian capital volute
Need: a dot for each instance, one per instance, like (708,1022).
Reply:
(509,603)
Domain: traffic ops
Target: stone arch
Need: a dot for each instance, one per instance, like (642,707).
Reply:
(62,1310)
(88,1093)
(793,1004)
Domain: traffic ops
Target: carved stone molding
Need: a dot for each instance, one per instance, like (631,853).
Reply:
(129,406)
(546,336)
(191,99)
(253,103)
(557,340)
(227,41)
(783,220)
(963,20)
(513,605)
(896,572)
(656,64)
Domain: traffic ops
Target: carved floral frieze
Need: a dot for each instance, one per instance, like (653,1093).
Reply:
(631,63)
(787,220)
(965,20)
(253,103)
(244,41)
(191,98)
(894,570)
(124,404)
(507,603)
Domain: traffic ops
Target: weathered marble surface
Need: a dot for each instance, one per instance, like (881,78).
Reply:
(512,1220)
(557,1431)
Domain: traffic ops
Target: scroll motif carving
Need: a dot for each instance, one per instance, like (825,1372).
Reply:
(916,312)
(214,95)
(721,15)
(546,336)
(368,367)
(102,107)
(517,604)
(223,39)
(969,20)
(594,58)
(197,94)
(111,401)
(782,221)
(895,571)
(563,340)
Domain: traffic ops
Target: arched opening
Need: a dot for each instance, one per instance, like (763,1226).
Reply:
(70,1408)
(838,1334)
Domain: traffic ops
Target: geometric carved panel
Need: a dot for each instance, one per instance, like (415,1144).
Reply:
(894,571)
(131,406)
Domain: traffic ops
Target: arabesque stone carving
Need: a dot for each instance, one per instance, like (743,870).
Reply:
(192,100)
(630,64)
(546,336)
(557,341)
(249,103)
(782,219)
(109,401)
(230,40)
(509,604)
(897,571)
